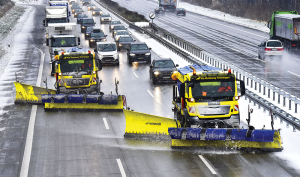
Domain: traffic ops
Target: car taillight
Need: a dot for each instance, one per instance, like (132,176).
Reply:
(184,11)
(280,49)
(266,49)
(177,11)
(293,45)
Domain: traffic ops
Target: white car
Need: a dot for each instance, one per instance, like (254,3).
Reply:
(121,33)
(107,52)
(270,48)
(105,18)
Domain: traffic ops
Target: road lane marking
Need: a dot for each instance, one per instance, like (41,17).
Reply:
(294,73)
(121,168)
(150,93)
(105,123)
(207,164)
(135,75)
(30,131)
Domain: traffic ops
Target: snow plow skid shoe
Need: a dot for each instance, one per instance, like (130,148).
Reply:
(240,139)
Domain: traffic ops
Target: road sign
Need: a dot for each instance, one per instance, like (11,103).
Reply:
(152,15)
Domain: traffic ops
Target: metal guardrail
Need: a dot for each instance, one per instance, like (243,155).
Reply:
(185,49)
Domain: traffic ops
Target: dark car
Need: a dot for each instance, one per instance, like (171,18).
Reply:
(88,31)
(159,10)
(181,11)
(75,7)
(124,42)
(161,69)
(86,2)
(96,37)
(138,52)
(86,22)
(117,28)
(97,11)
(77,12)
(80,17)
(113,23)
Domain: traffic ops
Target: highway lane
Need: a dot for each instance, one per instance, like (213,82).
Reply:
(82,144)
(233,43)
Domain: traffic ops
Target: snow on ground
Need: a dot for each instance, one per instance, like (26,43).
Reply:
(259,117)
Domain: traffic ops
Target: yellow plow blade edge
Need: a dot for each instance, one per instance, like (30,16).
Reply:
(86,106)
(30,94)
(141,123)
(243,145)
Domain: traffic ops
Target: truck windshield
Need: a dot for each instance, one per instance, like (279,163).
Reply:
(163,64)
(107,47)
(67,66)
(213,89)
(57,20)
(63,42)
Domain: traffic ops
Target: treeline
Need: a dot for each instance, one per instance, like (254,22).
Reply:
(253,9)
(5,5)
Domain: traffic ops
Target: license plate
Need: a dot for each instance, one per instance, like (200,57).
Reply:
(274,49)
(167,77)
(140,58)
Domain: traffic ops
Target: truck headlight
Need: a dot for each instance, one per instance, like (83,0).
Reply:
(148,53)
(156,73)
(132,54)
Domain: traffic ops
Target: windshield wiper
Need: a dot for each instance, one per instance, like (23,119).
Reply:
(106,47)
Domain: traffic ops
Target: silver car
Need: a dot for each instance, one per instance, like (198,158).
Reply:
(121,33)
(270,48)
(105,18)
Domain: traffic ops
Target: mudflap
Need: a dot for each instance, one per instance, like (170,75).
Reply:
(30,94)
(80,102)
(240,139)
(147,125)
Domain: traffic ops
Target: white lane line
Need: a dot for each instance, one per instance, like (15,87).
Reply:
(135,75)
(121,168)
(150,93)
(30,131)
(294,73)
(207,164)
(105,123)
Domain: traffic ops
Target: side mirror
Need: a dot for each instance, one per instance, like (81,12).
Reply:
(78,40)
(151,66)
(242,87)
(150,48)
(99,64)
(177,65)
(105,35)
(134,40)
(44,22)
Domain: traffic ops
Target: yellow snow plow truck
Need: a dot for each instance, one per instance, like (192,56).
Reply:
(206,114)
(77,86)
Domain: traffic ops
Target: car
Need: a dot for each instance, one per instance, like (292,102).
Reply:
(180,11)
(88,31)
(124,42)
(107,52)
(77,12)
(159,10)
(270,48)
(113,23)
(161,69)
(105,18)
(138,51)
(96,37)
(97,11)
(80,17)
(86,22)
(72,2)
(86,2)
(121,33)
(91,7)
(74,8)
(117,28)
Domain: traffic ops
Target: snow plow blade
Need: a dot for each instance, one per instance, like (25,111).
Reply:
(241,139)
(87,102)
(141,124)
(30,94)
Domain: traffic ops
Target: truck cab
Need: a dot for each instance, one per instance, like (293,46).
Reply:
(207,97)
(77,72)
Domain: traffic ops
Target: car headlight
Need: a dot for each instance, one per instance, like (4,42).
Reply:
(100,56)
(75,13)
(104,39)
(93,12)
(109,19)
(156,72)
(148,53)
(120,45)
(116,55)
(87,34)
(132,54)
(175,72)
(92,40)
(82,27)
(117,38)
(115,33)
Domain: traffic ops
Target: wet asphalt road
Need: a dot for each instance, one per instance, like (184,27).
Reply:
(79,143)
(233,43)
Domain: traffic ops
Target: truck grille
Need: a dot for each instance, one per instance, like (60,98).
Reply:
(214,110)
(77,82)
